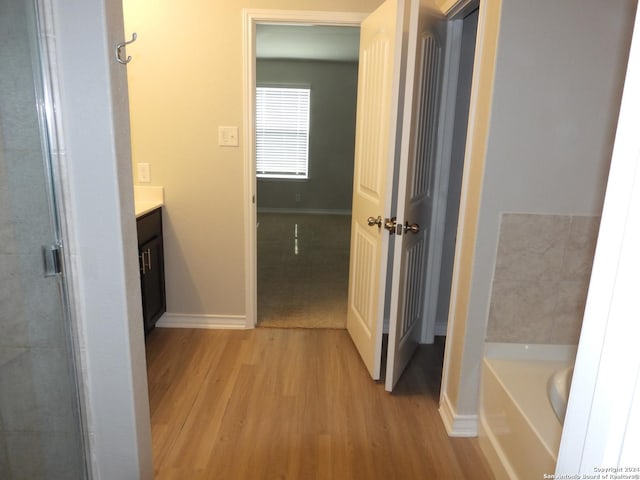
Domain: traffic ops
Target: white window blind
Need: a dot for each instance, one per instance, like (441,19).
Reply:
(282,132)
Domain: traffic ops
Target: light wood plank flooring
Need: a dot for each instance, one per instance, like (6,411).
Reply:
(295,404)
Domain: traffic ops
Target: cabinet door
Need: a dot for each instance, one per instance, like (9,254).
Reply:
(152,278)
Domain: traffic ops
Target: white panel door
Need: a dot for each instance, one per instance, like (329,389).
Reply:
(416,176)
(380,81)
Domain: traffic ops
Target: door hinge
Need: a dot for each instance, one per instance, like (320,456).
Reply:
(52,255)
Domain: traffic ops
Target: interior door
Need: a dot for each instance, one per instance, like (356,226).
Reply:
(416,190)
(380,81)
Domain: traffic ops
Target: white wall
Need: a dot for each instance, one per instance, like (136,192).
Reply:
(100,225)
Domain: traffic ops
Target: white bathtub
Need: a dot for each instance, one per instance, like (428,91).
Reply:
(519,431)
(558,388)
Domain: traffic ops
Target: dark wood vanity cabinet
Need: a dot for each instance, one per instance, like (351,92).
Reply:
(151,262)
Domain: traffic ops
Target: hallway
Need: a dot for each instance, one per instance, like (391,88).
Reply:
(295,404)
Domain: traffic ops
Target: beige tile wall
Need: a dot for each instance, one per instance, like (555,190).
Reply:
(541,278)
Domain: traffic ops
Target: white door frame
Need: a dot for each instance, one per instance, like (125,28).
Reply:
(454,14)
(444,142)
(250,18)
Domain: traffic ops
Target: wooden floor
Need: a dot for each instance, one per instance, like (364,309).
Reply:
(295,404)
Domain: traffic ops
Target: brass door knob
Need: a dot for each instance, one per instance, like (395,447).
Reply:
(371,221)
(390,224)
(413,228)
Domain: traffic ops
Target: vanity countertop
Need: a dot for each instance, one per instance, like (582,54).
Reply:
(143,208)
(147,199)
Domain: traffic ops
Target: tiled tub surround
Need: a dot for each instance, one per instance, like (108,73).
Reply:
(541,278)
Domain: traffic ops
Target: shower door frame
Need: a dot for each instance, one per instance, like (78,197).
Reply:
(53,263)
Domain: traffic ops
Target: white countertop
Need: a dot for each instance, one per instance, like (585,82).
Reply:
(147,199)
(143,208)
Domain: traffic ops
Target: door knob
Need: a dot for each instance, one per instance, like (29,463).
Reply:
(390,224)
(413,228)
(371,221)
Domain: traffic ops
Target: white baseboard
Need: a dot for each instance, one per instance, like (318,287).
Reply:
(457,425)
(441,329)
(185,320)
(307,211)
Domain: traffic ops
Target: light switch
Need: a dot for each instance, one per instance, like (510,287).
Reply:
(228,136)
(144,173)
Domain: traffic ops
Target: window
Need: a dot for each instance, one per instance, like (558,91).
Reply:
(282,132)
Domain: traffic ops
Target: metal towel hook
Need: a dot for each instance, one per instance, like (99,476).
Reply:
(120,46)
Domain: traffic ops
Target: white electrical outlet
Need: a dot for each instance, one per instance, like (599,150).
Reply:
(228,136)
(144,173)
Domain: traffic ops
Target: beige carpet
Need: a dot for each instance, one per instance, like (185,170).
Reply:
(303,269)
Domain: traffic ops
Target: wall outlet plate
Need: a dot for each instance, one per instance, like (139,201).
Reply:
(228,136)
(144,173)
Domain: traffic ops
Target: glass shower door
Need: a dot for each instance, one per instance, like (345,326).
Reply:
(40,423)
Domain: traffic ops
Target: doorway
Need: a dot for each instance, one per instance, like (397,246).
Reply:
(251,20)
(299,212)
(306,81)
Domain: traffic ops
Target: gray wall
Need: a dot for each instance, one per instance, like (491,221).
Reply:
(331,140)
(558,81)
(557,93)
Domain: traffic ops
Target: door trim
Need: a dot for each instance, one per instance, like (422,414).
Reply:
(465,340)
(250,18)
(444,145)
(458,9)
